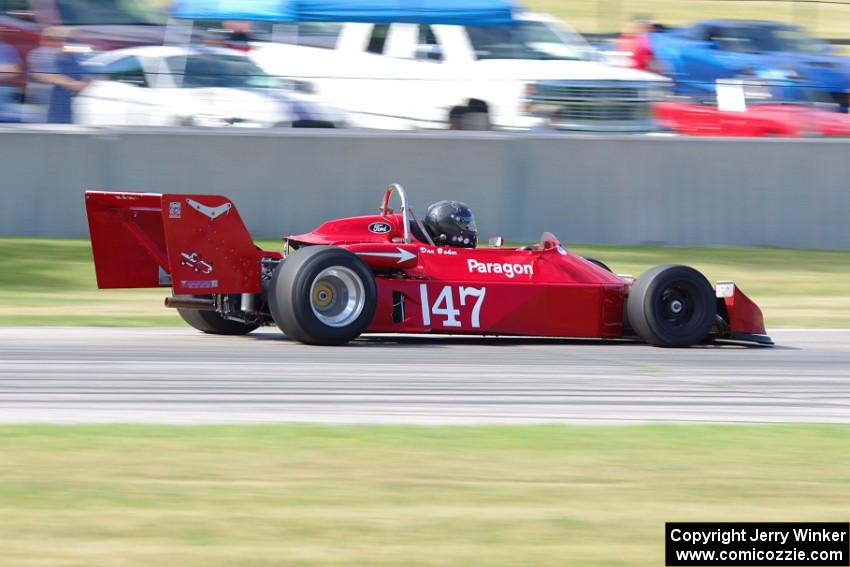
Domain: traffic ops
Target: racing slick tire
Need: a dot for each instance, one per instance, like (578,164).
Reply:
(322,295)
(671,306)
(212,323)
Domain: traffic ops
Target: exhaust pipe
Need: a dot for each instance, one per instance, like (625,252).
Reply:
(190,303)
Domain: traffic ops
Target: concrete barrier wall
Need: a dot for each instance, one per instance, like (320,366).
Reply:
(789,193)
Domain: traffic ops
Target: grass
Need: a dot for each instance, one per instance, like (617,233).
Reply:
(92,496)
(829,20)
(51,282)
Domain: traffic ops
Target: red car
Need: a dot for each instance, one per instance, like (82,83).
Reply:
(758,120)
(384,274)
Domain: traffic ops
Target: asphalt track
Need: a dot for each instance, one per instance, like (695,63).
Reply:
(62,375)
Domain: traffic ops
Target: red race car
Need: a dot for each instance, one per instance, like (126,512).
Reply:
(392,273)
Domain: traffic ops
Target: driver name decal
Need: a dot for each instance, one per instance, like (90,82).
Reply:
(508,270)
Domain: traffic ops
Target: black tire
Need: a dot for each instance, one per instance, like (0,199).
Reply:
(671,306)
(212,323)
(295,299)
(599,263)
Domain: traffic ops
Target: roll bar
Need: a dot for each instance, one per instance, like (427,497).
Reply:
(385,210)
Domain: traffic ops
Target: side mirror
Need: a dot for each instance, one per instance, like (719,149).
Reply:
(496,242)
(26,15)
(593,55)
(429,52)
(305,87)
(134,82)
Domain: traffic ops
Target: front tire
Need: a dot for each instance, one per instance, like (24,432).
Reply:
(212,323)
(323,295)
(671,306)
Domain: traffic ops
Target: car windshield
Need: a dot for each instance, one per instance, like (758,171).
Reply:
(527,40)
(767,39)
(218,70)
(112,12)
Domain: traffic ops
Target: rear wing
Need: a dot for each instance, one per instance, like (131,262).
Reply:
(196,244)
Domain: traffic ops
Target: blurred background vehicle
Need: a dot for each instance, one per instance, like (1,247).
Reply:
(530,72)
(193,86)
(432,64)
(97,25)
(755,120)
(791,64)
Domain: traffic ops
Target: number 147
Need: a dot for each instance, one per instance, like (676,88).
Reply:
(444,305)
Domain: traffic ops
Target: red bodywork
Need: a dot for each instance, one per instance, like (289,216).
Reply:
(197,244)
(762,120)
(741,313)
(546,291)
(147,240)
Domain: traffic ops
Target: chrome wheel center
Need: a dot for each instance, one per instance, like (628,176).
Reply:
(337,296)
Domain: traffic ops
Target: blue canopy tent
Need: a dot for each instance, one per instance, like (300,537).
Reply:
(461,12)
(255,10)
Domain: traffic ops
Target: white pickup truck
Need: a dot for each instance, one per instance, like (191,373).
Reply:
(536,72)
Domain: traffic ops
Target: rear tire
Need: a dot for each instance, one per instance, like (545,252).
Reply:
(323,295)
(212,323)
(671,306)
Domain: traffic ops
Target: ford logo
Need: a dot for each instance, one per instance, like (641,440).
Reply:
(379,228)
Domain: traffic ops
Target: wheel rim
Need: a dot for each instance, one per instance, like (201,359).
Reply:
(337,296)
(679,305)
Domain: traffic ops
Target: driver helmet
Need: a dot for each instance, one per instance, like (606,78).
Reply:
(451,223)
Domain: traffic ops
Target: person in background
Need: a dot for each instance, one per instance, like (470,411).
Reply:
(456,115)
(636,44)
(10,68)
(477,115)
(56,76)
(239,35)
